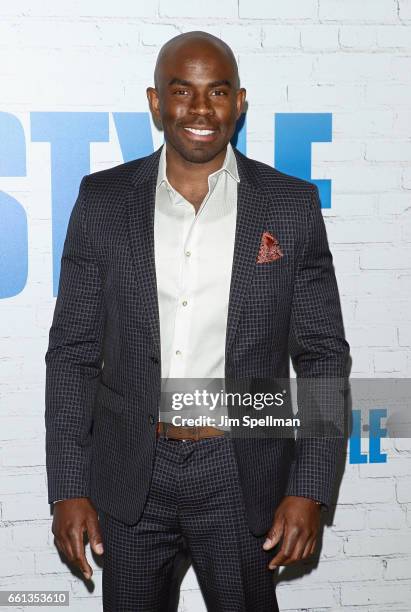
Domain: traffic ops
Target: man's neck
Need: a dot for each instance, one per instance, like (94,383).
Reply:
(186,176)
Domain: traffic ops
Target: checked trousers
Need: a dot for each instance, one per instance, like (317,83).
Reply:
(194,510)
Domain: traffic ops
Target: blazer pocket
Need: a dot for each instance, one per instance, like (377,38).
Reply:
(110,399)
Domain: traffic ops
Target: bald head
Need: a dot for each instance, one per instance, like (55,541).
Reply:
(197,98)
(194,45)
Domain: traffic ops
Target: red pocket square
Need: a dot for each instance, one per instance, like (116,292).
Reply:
(269,249)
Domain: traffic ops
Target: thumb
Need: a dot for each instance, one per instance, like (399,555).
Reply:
(95,537)
(274,535)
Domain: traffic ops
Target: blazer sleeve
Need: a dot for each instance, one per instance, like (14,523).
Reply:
(73,361)
(319,352)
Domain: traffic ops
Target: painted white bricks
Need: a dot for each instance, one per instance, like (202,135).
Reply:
(326,96)
(279,68)
(386,258)
(154,35)
(405,10)
(80,8)
(16,564)
(358,37)
(348,231)
(394,204)
(212,8)
(247,37)
(334,571)
(319,38)
(398,569)
(25,507)
(363,594)
(393,37)
(311,597)
(367,11)
(350,58)
(372,67)
(25,537)
(370,491)
(348,518)
(372,336)
(388,95)
(22,455)
(278,10)
(404,335)
(378,545)
(381,151)
(403,491)
(393,362)
(278,37)
(381,519)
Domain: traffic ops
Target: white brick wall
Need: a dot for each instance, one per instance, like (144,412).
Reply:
(350,58)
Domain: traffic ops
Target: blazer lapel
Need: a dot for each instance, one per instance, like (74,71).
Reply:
(140,209)
(251,206)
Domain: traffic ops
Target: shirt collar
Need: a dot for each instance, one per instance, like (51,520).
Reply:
(229,166)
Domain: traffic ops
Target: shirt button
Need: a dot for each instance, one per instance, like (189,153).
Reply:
(188,253)
(185,303)
(178,352)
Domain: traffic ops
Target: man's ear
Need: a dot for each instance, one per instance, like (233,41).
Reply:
(154,105)
(241,95)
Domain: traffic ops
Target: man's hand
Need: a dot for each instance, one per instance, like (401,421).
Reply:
(71,518)
(296,521)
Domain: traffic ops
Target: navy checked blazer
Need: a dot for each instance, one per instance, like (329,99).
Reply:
(103,363)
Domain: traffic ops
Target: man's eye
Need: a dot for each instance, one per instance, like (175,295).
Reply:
(219,92)
(181,91)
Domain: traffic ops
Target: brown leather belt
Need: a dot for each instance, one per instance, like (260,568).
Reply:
(178,432)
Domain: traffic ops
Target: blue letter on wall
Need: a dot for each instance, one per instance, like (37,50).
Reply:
(69,135)
(134,134)
(376,434)
(13,220)
(294,133)
(356,456)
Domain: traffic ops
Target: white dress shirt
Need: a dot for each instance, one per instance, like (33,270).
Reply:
(193,258)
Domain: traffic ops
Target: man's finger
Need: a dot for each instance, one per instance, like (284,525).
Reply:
(274,535)
(284,554)
(308,547)
(94,535)
(79,555)
(297,553)
(313,546)
(64,546)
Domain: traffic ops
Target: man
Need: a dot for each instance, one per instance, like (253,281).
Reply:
(229,259)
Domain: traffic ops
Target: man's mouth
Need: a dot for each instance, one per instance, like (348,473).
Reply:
(200,134)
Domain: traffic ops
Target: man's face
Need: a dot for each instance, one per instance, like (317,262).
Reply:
(197,101)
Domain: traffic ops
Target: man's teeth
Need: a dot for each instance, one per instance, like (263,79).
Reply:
(200,132)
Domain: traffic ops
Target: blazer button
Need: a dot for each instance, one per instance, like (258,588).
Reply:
(151,419)
(154,359)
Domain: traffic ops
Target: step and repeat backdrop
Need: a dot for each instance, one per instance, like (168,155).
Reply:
(329,90)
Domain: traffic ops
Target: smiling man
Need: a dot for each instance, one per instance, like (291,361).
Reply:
(194,262)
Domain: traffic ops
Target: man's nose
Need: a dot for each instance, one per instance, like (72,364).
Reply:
(201,105)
